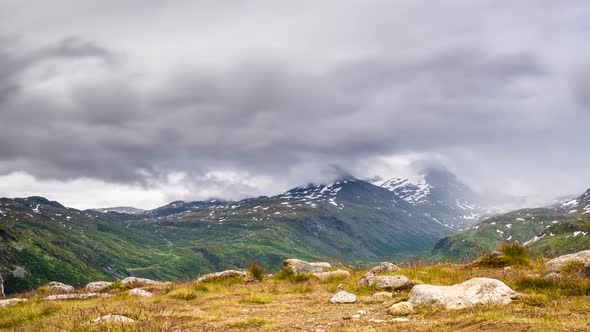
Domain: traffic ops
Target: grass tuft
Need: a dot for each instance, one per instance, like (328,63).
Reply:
(256,271)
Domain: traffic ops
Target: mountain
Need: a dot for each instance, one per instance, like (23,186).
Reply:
(349,220)
(550,231)
(440,195)
(121,209)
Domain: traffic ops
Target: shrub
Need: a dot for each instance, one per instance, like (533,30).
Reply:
(185,296)
(201,288)
(492,262)
(116,285)
(516,254)
(287,273)
(572,267)
(256,271)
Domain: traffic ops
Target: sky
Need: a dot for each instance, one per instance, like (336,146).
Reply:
(138,103)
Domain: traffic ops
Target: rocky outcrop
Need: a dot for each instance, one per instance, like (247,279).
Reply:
(469,293)
(383,267)
(81,296)
(402,309)
(140,282)
(392,282)
(300,266)
(9,302)
(112,319)
(223,275)
(338,274)
(557,263)
(140,293)
(56,287)
(343,297)
(98,286)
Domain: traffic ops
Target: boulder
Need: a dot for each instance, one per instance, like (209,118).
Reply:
(383,294)
(383,267)
(223,275)
(469,293)
(98,286)
(553,276)
(343,297)
(495,253)
(9,302)
(300,266)
(135,282)
(556,263)
(56,287)
(140,292)
(112,319)
(402,309)
(338,274)
(393,282)
(585,272)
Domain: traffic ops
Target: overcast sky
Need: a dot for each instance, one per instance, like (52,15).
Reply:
(136,102)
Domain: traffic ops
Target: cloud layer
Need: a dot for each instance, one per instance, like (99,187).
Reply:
(251,98)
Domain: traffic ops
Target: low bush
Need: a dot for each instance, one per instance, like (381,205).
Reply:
(256,271)
(516,254)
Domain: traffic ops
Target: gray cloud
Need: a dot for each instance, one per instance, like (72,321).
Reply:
(459,96)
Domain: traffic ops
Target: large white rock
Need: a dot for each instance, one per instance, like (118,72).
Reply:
(9,302)
(140,292)
(58,287)
(393,282)
(98,286)
(556,263)
(322,276)
(343,297)
(133,281)
(300,266)
(463,295)
(223,275)
(112,319)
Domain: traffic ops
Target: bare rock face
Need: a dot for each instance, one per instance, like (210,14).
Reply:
(383,267)
(98,286)
(112,319)
(300,266)
(322,276)
(223,275)
(557,263)
(56,287)
(402,309)
(9,302)
(467,294)
(393,282)
(343,297)
(140,293)
(139,282)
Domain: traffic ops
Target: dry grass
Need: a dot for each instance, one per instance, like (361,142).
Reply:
(302,305)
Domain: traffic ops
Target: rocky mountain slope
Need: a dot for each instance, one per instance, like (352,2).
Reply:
(349,220)
(550,231)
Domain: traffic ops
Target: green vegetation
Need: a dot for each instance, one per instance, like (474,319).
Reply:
(256,271)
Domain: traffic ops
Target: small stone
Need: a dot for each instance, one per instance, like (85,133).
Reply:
(362,312)
(9,302)
(378,321)
(343,297)
(383,294)
(400,320)
(112,319)
(58,287)
(356,316)
(401,309)
(553,276)
(223,275)
(394,282)
(98,286)
(140,292)
(382,268)
(495,253)
(133,281)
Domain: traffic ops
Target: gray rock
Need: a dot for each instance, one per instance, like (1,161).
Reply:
(58,287)
(343,297)
(137,282)
(322,276)
(469,293)
(393,282)
(402,309)
(383,267)
(383,294)
(495,253)
(553,276)
(98,286)
(557,263)
(112,319)
(9,302)
(140,293)
(82,296)
(223,275)
(300,266)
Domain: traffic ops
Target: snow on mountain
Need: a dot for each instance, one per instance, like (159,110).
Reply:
(580,204)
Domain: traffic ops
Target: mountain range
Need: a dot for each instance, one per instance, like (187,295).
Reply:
(349,220)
